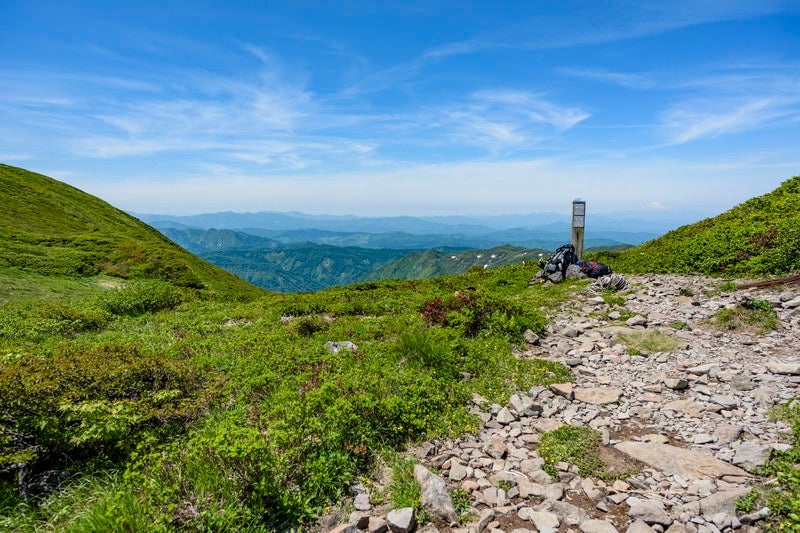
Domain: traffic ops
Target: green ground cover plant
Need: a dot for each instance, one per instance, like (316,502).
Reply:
(172,410)
(576,445)
(782,492)
(757,238)
(648,342)
(751,315)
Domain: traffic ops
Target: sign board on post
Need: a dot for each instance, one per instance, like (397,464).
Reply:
(578,225)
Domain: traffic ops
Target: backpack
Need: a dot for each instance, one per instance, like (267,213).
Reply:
(595,270)
(555,268)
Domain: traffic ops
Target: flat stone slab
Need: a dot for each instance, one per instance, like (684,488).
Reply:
(598,395)
(671,460)
(788,369)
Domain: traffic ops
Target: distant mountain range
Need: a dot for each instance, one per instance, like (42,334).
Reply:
(537,230)
(293,251)
(307,266)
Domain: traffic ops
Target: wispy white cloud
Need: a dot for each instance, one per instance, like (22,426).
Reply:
(501,119)
(625,79)
(695,120)
(732,99)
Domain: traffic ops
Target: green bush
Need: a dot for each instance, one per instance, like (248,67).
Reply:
(783,496)
(51,318)
(752,315)
(576,445)
(89,402)
(141,297)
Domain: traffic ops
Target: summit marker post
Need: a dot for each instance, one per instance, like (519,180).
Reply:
(578,225)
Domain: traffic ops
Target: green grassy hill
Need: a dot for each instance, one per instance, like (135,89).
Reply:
(58,238)
(756,238)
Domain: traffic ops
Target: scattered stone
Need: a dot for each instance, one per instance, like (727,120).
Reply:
(336,347)
(742,382)
(751,455)
(345,528)
(676,383)
(563,389)
(496,448)
(567,513)
(377,525)
(545,522)
(756,516)
(361,502)
(788,369)
(401,520)
(530,337)
(727,433)
(457,471)
(649,511)
(703,438)
(709,392)
(435,497)
(598,395)
(505,417)
(486,516)
(637,320)
(706,369)
(359,519)
(689,464)
(598,526)
(791,304)
(639,526)
(655,437)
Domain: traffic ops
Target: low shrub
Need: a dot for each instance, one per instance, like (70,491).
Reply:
(141,297)
(89,402)
(752,315)
(51,318)
(576,445)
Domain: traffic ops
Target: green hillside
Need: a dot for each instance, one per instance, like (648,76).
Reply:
(432,263)
(64,239)
(759,237)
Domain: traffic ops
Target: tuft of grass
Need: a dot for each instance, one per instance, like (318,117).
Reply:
(782,496)
(757,316)
(650,341)
(612,298)
(404,491)
(728,286)
(577,445)
(462,505)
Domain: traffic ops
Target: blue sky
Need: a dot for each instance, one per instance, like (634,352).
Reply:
(419,108)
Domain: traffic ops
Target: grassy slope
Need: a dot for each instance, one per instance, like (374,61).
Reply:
(758,237)
(51,229)
(291,425)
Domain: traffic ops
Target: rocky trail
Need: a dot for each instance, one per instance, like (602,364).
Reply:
(690,424)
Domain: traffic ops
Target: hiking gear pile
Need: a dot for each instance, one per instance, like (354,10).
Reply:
(594,270)
(616,282)
(554,268)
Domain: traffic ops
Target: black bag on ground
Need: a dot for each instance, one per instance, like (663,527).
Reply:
(555,267)
(595,270)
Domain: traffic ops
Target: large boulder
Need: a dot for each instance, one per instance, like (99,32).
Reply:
(435,497)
